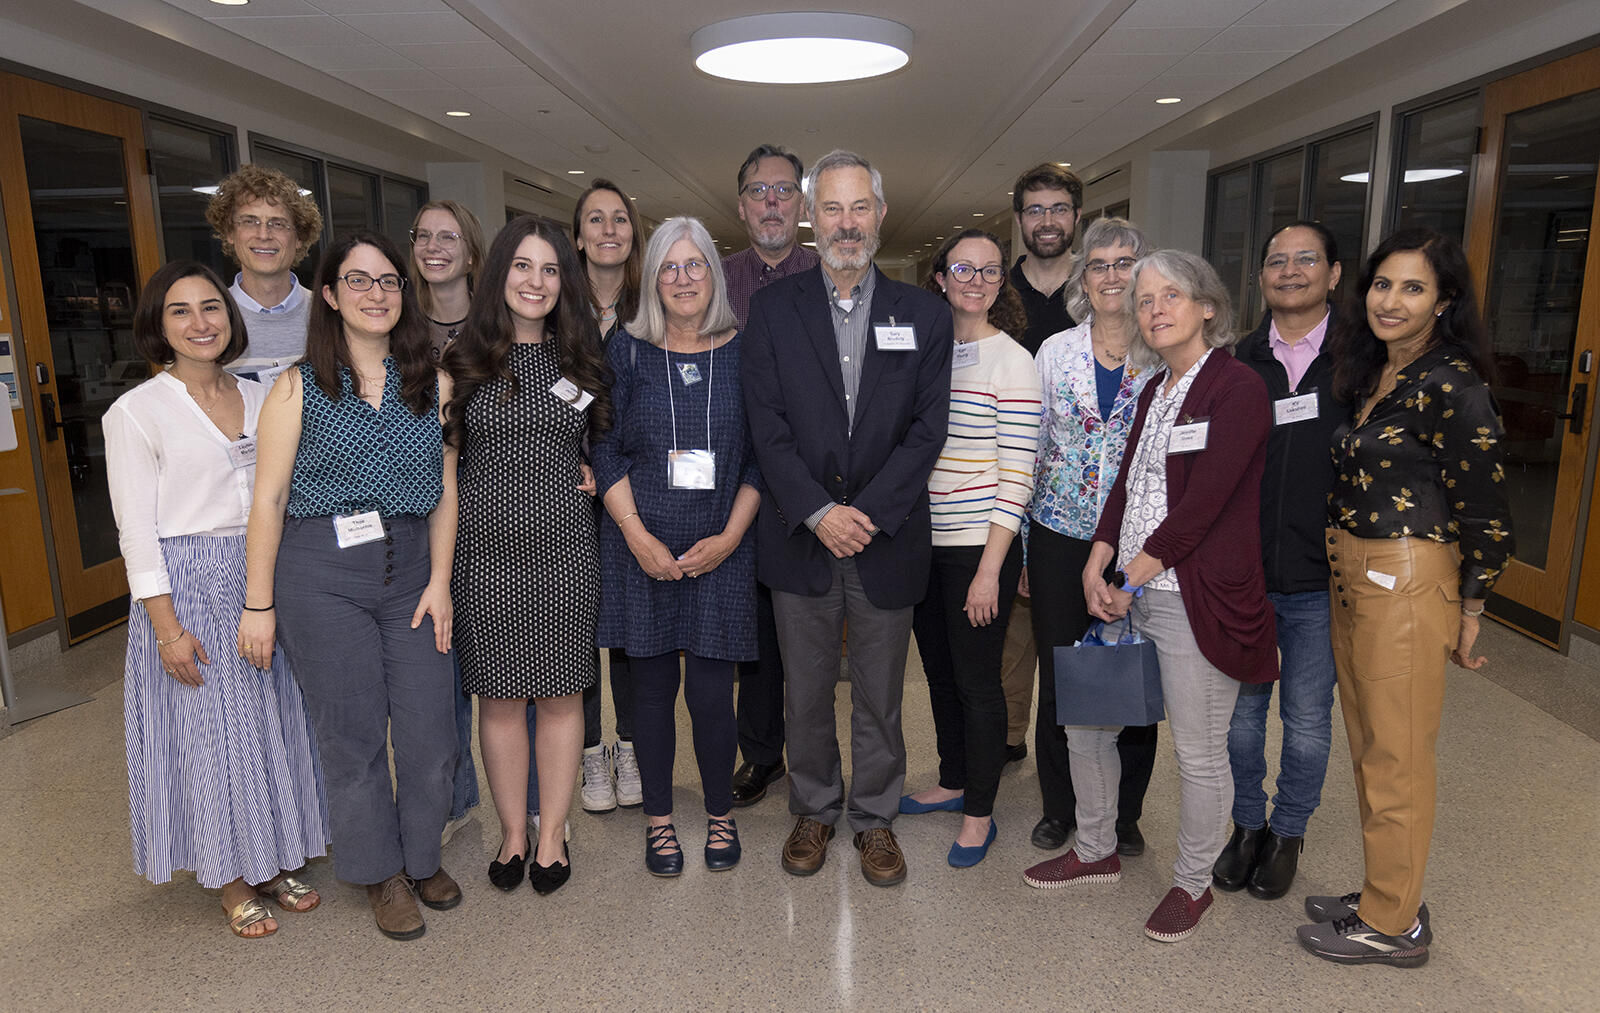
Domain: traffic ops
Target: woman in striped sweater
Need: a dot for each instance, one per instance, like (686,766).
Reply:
(979,492)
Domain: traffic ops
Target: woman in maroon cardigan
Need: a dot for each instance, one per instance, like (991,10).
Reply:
(1184,519)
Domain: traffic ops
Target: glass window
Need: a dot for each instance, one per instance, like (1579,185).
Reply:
(1227,237)
(303,170)
(1341,171)
(352,200)
(188,163)
(1436,149)
(401,202)
(1277,203)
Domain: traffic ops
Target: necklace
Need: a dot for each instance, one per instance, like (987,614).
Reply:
(1118,359)
(216,402)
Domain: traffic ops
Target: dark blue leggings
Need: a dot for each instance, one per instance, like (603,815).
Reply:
(708,690)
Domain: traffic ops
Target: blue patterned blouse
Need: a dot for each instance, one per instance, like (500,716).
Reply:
(353,457)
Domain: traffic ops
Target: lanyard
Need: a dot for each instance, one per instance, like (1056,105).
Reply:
(672,403)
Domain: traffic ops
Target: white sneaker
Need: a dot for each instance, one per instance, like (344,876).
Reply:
(533,830)
(629,792)
(598,794)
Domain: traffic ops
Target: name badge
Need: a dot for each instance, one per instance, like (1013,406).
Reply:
(893,337)
(1188,438)
(965,354)
(568,391)
(358,529)
(1290,410)
(690,372)
(691,469)
(242,453)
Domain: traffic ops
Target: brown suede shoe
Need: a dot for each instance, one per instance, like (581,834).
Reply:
(882,861)
(807,847)
(438,891)
(396,908)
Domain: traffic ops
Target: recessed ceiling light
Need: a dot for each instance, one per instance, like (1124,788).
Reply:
(456,112)
(977,214)
(1168,101)
(805,225)
(633,198)
(938,237)
(574,172)
(1068,165)
(231,3)
(801,48)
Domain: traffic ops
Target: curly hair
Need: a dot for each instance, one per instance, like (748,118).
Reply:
(257,182)
(1007,314)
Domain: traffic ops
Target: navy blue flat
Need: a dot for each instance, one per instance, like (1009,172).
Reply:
(966,858)
(911,807)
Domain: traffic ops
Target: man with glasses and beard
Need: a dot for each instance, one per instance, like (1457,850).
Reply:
(846,383)
(1047,200)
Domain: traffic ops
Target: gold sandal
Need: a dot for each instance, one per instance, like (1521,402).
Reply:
(289,892)
(248,913)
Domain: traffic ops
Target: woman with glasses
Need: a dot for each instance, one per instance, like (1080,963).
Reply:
(680,488)
(1090,393)
(978,494)
(446,251)
(349,551)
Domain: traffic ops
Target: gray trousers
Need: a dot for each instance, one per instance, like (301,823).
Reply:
(1199,701)
(810,631)
(367,677)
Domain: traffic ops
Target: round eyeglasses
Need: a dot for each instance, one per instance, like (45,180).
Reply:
(695,269)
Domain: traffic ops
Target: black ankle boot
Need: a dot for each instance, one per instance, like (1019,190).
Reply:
(1275,866)
(1238,858)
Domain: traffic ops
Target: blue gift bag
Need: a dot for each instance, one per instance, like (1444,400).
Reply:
(1109,678)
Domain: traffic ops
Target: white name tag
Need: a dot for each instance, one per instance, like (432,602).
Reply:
(242,453)
(568,391)
(965,354)
(1290,410)
(1188,439)
(1383,580)
(358,529)
(893,337)
(691,469)
(690,373)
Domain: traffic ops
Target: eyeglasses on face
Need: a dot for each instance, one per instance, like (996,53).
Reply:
(360,281)
(1038,212)
(964,272)
(1305,260)
(250,223)
(444,237)
(695,269)
(1100,268)
(759,191)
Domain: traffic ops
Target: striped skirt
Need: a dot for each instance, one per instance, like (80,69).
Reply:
(223,779)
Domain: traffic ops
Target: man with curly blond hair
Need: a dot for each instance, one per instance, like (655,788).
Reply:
(267,223)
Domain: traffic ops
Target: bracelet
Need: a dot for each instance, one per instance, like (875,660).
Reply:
(247,608)
(174,640)
(1472,615)
(634,514)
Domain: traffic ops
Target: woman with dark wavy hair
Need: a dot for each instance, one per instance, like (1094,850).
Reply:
(350,450)
(979,494)
(1419,529)
(527,388)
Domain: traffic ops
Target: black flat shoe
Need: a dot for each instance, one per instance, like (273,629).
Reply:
(547,879)
(1050,833)
(1130,841)
(662,854)
(1238,858)
(507,875)
(1275,866)
(721,831)
(751,779)
(1016,753)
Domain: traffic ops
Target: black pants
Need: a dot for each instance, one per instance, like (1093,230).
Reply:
(962,663)
(1060,616)
(621,701)
(761,690)
(708,690)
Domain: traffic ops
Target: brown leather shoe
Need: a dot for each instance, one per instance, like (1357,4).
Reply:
(395,908)
(882,861)
(807,847)
(439,891)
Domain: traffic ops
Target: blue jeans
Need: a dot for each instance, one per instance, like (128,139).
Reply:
(464,792)
(1305,703)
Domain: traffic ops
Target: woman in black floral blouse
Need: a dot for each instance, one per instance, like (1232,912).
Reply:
(1419,528)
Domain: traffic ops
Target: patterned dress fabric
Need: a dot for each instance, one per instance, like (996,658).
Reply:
(1147,473)
(526,581)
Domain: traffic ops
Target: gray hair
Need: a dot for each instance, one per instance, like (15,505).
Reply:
(838,158)
(1101,233)
(650,324)
(1198,280)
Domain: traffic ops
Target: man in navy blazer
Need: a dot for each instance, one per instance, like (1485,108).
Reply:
(846,379)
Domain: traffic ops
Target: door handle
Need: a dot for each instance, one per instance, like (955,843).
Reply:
(1580,398)
(50,417)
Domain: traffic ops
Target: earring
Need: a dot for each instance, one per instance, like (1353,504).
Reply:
(1439,314)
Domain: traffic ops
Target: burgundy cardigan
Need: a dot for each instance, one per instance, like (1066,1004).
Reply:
(1212,534)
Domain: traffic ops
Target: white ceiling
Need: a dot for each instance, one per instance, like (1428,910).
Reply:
(609,87)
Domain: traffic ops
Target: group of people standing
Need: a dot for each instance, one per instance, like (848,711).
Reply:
(486,464)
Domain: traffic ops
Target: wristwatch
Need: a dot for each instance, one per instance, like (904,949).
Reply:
(1119,580)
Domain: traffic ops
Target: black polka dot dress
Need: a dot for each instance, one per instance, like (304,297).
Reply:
(526,581)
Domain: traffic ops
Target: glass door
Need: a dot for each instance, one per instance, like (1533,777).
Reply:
(81,226)
(1529,240)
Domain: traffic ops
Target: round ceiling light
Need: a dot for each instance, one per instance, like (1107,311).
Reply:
(801,48)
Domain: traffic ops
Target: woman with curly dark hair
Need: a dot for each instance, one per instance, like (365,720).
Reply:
(527,388)
(979,494)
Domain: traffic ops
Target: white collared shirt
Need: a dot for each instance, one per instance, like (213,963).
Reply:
(1146,505)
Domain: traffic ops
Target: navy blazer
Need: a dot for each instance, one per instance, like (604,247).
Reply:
(809,455)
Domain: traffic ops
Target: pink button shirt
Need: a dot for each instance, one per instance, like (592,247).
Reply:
(1297,358)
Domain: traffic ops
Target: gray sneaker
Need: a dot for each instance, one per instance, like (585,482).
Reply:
(597,793)
(1327,909)
(1352,941)
(629,791)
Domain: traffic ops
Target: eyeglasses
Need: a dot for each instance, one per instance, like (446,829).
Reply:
(250,223)
(759,191)
(1305,260)
(359,281)
(695,269)
(965,272)
(445,238)
(1037,212)
(1101,268)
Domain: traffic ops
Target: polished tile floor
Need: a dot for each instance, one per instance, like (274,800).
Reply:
(1514,886)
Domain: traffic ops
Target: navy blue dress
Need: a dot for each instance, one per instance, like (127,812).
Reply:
(713,615)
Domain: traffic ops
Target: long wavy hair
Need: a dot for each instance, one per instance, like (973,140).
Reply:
(1358,355)
(1007,314)
(409,341)
(632,272)
(483,350)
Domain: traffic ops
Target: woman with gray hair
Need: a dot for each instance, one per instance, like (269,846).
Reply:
(1183,520)
(677,551)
